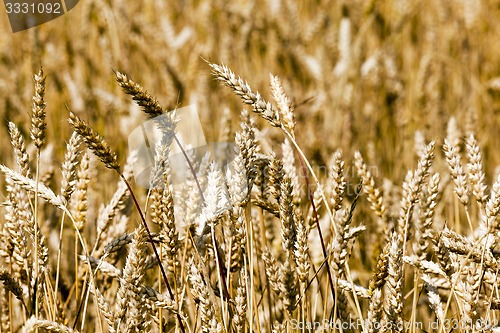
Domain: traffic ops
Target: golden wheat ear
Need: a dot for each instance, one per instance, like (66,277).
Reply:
(141,97)
(38,123)
(95,142)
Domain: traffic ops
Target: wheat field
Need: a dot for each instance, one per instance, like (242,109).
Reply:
(348,181)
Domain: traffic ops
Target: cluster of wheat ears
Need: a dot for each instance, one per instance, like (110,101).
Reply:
(277,260)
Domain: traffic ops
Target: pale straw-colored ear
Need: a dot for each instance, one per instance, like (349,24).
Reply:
(453,159)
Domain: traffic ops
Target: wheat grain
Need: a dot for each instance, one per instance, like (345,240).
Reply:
(30,185)
(149,105)
(132,277)
(394,284)
(12,285)
(69,166)
(18,143)
(374,195)
(104,308)
(242,89)
(209,321)
(493,205)
(434,299)
(238,238)
(94,141)
(424,227)
(33,324)
(302,251)
(78,203)
(338,181)
(282,101)
(453,158)
(375,311)
(38,123)
(475,170)
(239,320)
(237,181)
